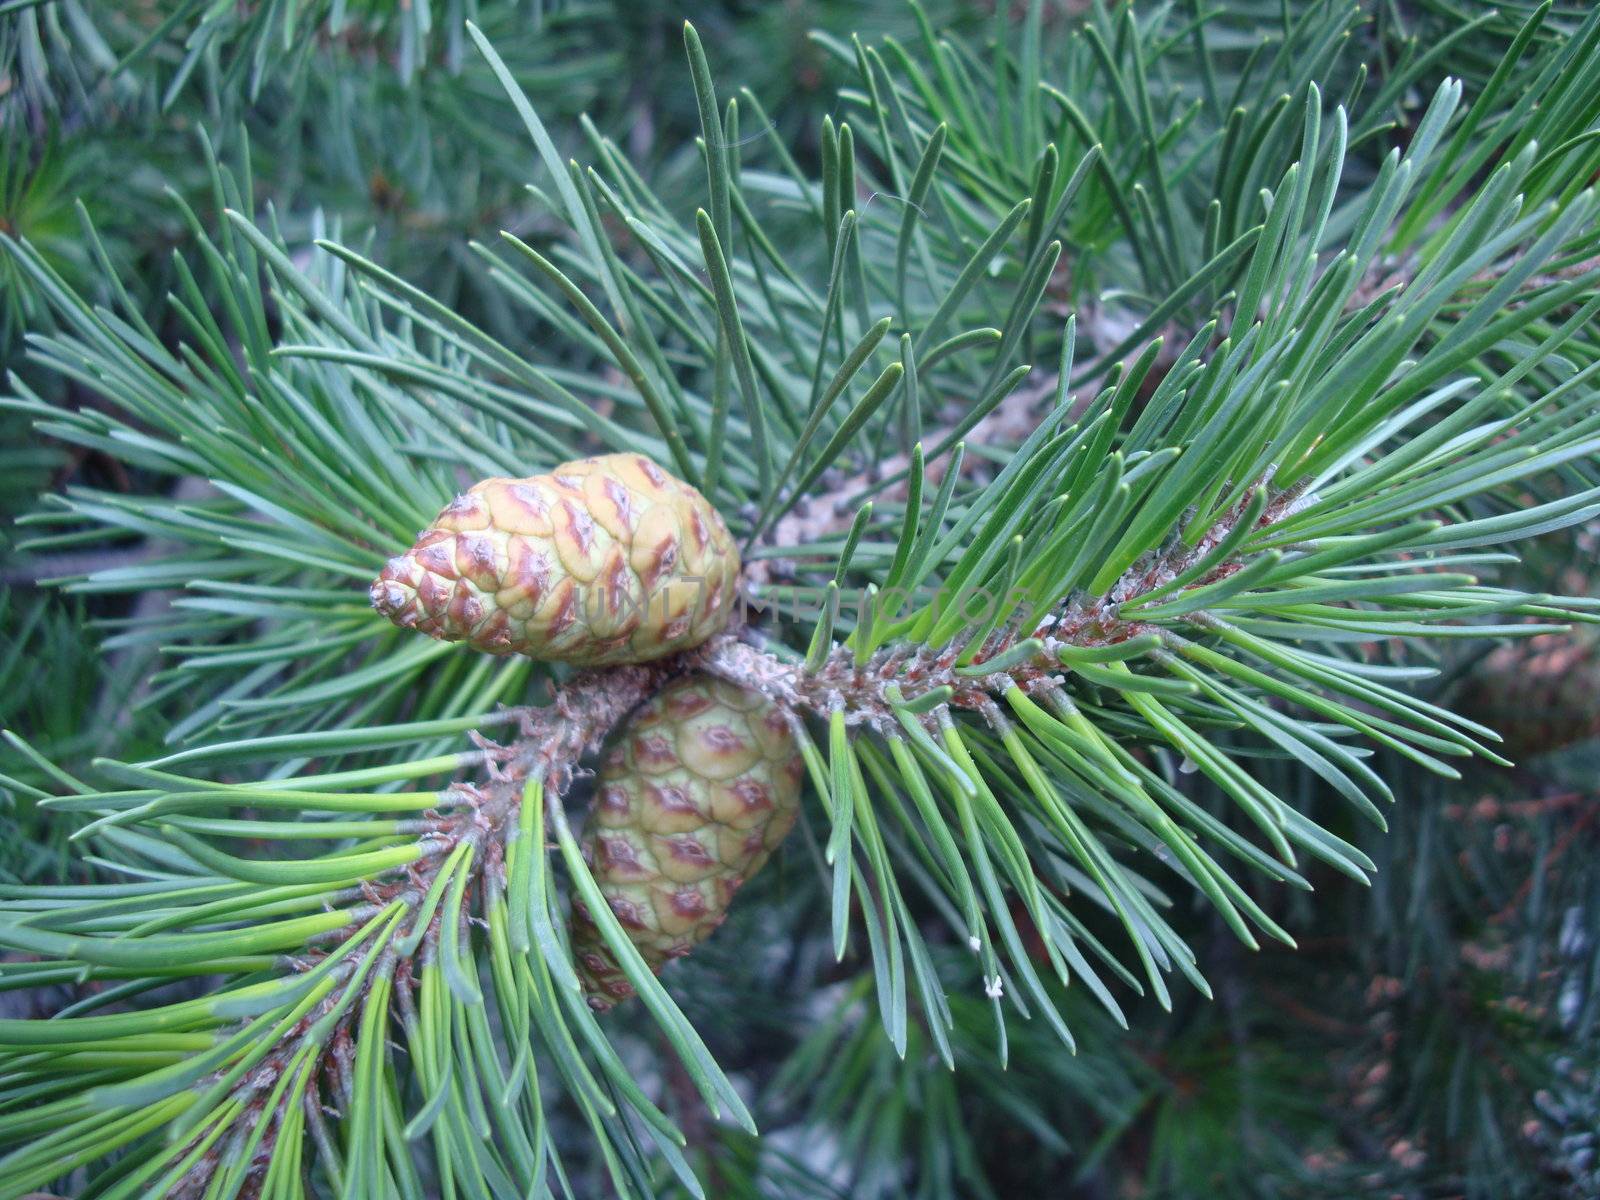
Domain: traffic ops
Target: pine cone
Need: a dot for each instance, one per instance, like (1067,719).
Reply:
(1538,693)
(604,560)
(699,788)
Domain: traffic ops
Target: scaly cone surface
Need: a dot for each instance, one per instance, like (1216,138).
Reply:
(1538,694)
(602,561)
(700,786)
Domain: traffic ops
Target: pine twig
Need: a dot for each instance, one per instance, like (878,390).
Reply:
(861,691)
(830,510)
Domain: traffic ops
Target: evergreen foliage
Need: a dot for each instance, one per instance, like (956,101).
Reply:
(1128,419)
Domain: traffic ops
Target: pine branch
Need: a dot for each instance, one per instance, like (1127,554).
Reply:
(1186,570)
(843,683)
(830,509)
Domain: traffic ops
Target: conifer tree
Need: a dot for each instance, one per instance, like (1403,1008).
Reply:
(1068,491)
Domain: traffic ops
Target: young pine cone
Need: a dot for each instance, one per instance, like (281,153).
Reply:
(700,786)
(603,561)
